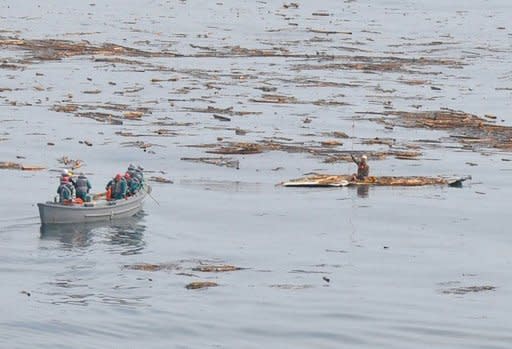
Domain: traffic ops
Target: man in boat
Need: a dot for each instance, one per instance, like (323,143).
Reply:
(65,191)
(363,170)
(67,174)
(132,184)
(118,187)
(136,172)
(82,186)
(140,171)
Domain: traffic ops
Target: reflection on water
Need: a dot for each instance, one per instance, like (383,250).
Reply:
(126,236)
(70,235)
(363,191)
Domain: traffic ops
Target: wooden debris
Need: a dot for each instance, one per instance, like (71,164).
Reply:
(115,115)
(133,114)
(324,180)
(70,163)
(328,32)
(238,148)
(327,150)
(375,64)
(470,289)
(101,117)
(32,168)
(331,143)
(221,118)
(144,267)
(291,286)
(52,49)
(152,267)
(226,111)
(65,108)
(466,128)
(216,268)
(291,5)
(377,140)
(339,134)
(220,161)
(87,143)
(92,92)
(276,99)
(7,165)
(200,284)
(160,180)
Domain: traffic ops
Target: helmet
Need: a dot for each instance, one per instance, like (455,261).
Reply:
(118,176)
(131,167)
(65,172)
(364,157)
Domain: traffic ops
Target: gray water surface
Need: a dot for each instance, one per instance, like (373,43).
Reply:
(401,262)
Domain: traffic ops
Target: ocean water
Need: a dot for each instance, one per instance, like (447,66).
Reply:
(324,268)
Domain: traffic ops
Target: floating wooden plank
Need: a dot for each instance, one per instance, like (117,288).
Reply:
(216,268)
(200,284)
(160,180)
(7,165)
(32,168)
(324,180)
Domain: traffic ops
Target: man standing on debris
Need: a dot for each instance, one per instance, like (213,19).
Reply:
(363,170)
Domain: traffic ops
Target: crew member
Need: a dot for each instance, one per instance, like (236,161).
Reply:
(82,186)
(118,187)
(65,191)
(132,184)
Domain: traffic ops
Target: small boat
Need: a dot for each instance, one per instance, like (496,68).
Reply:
(96,211)
(325,180)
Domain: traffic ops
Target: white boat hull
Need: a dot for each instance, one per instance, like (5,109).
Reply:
(55,213)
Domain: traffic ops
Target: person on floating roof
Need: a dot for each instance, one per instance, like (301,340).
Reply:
(363,170)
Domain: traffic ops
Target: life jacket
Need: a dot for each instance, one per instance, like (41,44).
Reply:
(134,185)
(138,175)
(81,184)
(65,193)
(117,187)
